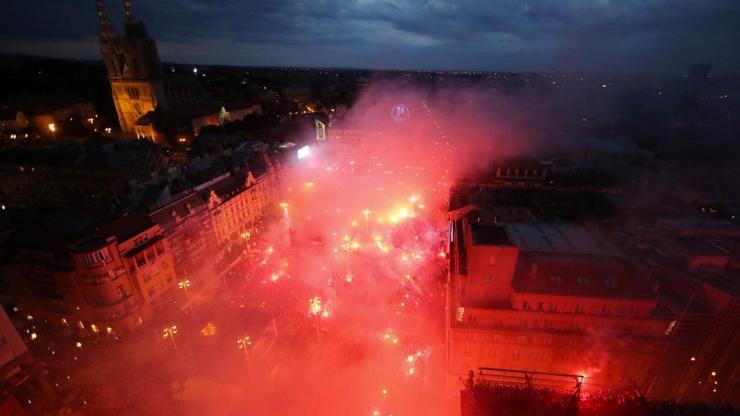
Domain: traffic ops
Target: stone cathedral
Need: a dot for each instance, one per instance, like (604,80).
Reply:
(133,65)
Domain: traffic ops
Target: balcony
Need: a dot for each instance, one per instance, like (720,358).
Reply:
(103,278)
(115,309)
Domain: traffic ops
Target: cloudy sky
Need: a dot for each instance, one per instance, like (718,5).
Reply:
(540,35)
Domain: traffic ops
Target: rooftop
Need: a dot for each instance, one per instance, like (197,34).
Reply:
(539,236)
(126,227)
(181,206)
(225,188)
(570,238)
(583,275)
(490,235)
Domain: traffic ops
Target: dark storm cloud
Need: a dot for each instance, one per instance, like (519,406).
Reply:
(642,35)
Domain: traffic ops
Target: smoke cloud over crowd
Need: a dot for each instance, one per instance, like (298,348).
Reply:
(357,262)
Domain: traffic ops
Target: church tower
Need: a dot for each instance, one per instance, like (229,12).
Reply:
(134,69)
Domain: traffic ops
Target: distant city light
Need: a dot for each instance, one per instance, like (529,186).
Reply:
(195,71)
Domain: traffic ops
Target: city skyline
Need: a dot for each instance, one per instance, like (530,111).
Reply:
(605,37)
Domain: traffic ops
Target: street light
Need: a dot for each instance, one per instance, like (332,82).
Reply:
(170,331)
(366,212)
(244,343)
(185,284)
(284,206)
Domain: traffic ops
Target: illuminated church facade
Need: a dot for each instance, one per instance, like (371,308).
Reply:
(133,66)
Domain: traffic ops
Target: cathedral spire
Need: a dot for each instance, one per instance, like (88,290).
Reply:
(129,8)
(106,28)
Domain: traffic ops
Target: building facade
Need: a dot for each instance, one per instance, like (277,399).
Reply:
(710,371)
(187,226)
(547,297)
(24,384)
(109,282)
(237,204)
(123,270)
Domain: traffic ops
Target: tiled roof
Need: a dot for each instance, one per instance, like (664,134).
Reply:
(182,206)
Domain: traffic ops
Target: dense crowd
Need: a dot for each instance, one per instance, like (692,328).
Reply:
(482,398)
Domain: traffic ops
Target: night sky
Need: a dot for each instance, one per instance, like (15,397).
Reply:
(590,35)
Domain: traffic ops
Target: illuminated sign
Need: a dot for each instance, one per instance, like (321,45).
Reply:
(400,113)
(320,131)
(304,152)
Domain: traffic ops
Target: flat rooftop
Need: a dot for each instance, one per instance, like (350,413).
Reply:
(489,235)
(579,275)
(567,238)
(539,236)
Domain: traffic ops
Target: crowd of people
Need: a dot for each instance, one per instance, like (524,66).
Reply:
(483,398)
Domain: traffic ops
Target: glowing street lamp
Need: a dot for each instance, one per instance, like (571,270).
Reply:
(284,206)
(52,128)
(170,332)
(366,212)
(245,343)
(185,284)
